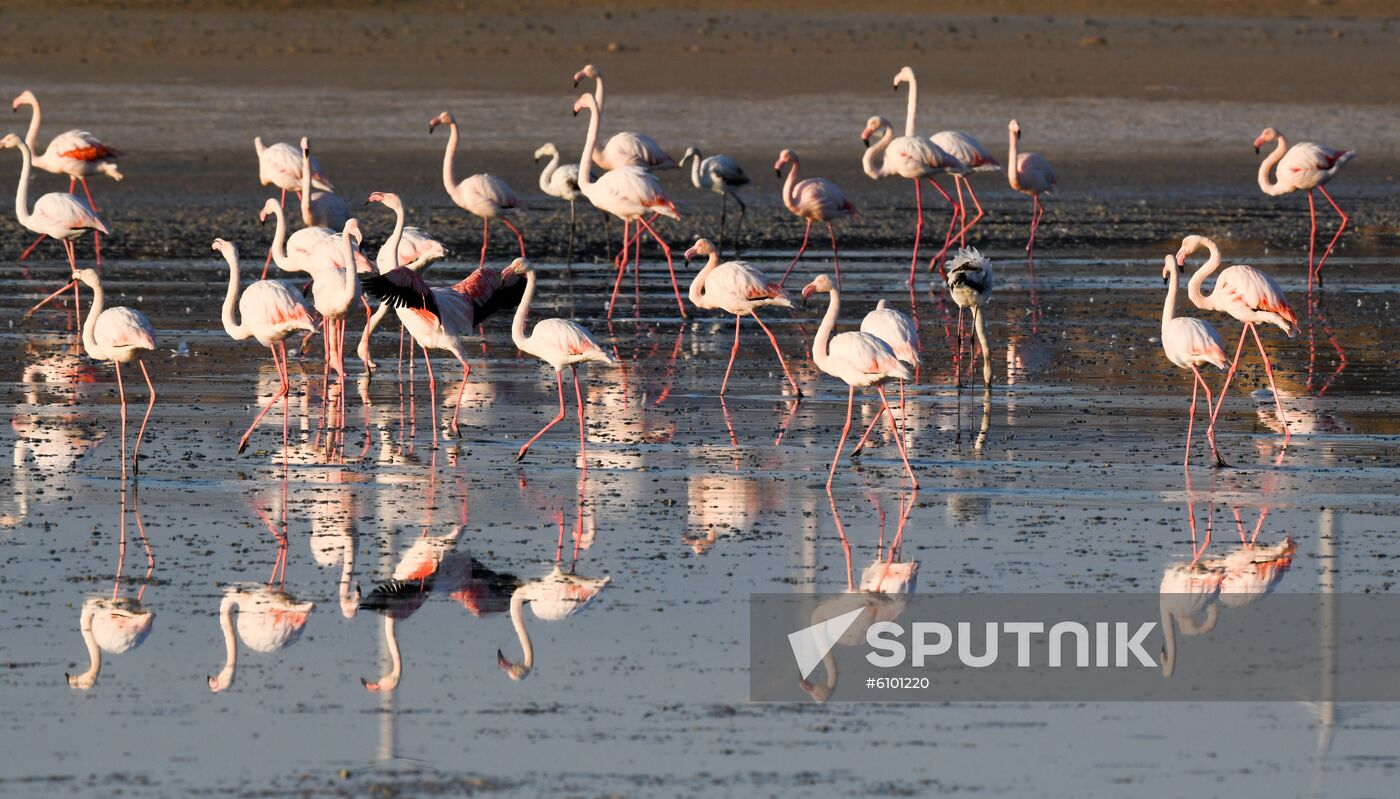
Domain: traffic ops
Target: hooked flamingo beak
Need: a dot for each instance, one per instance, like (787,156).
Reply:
(807,292)
(865,139)
(433,123)
(690,253)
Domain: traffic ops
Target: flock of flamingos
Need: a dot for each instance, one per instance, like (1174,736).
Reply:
(885,349)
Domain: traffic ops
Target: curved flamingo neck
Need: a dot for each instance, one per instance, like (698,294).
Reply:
(448,159)
(225,677)
(88,678)
(590,140)
(1273,187)
(31,137)
(306,217)
(90,325)
(547,176)
(877,150)
(517,619)
(820,353)
(1198,278)
(279,242)
(695,177)
(1169,307)
(396,238)
(22,192)
(390,681)
(697,286)
(522,312)
(598,90)
(911,110)
(790,187)
(1168,656)
(232,326)
(352,272)
(1012,169)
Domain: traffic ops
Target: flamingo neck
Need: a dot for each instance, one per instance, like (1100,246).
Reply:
(598,91)
(88,678)
(522,312)
(697,286)
(349,599)
(395,241)
(225,677)
(232,326)
(31,137)
(590,140)
(517,619)
(876,150)
(911,111)
(279,243)
(352,272)
(1273,187)
(1169,307)
(1168,656)
(447,160)
(1012,171)
(306,217)
(90,325)
(548,174)
(695,177)
(1198,279)
(22,192)
(258,147)
(819,344)
(790,188)
(390,681)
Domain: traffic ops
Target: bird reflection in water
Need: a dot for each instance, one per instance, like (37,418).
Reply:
(116,624)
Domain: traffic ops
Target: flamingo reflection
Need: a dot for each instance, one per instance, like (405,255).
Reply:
(116,624)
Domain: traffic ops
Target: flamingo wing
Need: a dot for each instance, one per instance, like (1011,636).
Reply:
(895,329)
(400,288)
(630,148)
(864,354)
(504,298)
(58,210)
(741,280)
(1035,173)
(81,145)
(966,149)
(1188,341)
(725,169)
(276,304)
(1256,289)
(569,338)
(821,196)
(489,189)
(124,328)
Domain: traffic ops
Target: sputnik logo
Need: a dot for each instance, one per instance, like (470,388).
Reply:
(811,644)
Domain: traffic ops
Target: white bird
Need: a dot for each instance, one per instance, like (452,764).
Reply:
(280,165)
(1029,173)
(484,196)
(1190,343)
(723,176)
(112,625)
(408,247)
(914,158)
(319,207)
(268,621)
(554,597)
(626,148)
(970,284)
(1303,167)
(560,181)
(292,253)
(895,328)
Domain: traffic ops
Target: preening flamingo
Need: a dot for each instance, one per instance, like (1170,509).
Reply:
(280,165)
(1190,343)
(407,247)
(911,157)
(860,360)
(628,193)
(268,311)
(1029,173)
(554,597)
(484,196)
(559,343)
(269,620)
(1247,294)
(970,283)
(561,181)
(897,329)
(321,208)
(740,288)
(1305,166)
(723,176)
(814,200)
(60,216)
(627,148)
(75,153)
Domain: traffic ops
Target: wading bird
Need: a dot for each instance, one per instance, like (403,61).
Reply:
(561,181)
(970,284)
(280,165)
(860,360)
(723,176)
(627,148)
(407,247)
(559,343)
(1305,167)
(1191,343)
(740,288)
(814,200)
(1247,294)
(909,157)
(484,196)
(1029,173)
(895,328)
(321,208)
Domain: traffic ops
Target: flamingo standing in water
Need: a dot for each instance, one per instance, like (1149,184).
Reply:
(740,288)
(814,200)
(909,157)
(895,328)
(559,343)
(408,247)
(859,359)
(60,216)
(723,176)
(270,311)
(321,208)
(628,193)
(626,148)
(970,283)
(412,582)
(1190,343)
(1304,166)
(292,253)
(1029,173)
(280,165)
(560,181)
(484,196)
(1250,296)
(335,269)
(75,153)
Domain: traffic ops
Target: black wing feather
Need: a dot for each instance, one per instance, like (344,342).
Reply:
(400,288)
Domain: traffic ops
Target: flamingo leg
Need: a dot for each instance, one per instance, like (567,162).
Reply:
(1191,418)
(938,260)
(739,226)
(845,431)
(432,393)
(898,435)
(461,392)
(918,228)
(72,267)
(1229,375)
(582,425)
(559,378)
(485,237)
(1269,371)
(961,211)
(1312,239)
(286,388)
(519,238)
(31,247)
(796,392)
(1210,428)
(96,235)
(46,300)
(800,250)
(573,223)
(621,264)
(835,254)
(136,455)
(870,428)
(1335,236)
(1035,223)
(670,265)
(967,226)
(121,391)
(733,352)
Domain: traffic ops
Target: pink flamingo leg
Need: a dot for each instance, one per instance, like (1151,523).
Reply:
(1312,239)
(1210,428)
(948,236)
(1269,371)
(1035,223)
(800,250)
(96,235)
(559,378)
(121,390)
(918,229)
(519,238)
(733,352)
(796,392)
(898,435)
(845,431)
(960,211)
(967,226)
(1229,375)
(621,264)
(461,392)
(582,425)
(1335,236)
(485,237)
(30,250)
(835,254)
(670,265)
(432,394)
(46,301)
(870,428)
(136,455)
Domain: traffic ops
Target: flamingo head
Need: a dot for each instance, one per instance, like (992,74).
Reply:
(88,277)
(547,150)
(588,71)
(441,119)
(228,248)
(305,146)
(702,247)
(585,101)
(784,158)
(387,197)
(25,97)
(10,140)
(518,268)
(873,125)
(516,671)
(1169,266)
(352,229)
(270,207)
(1189,245)
(819,692)
(905,75)
(690,152)
(1015,128)
(822,284)
(1265,137)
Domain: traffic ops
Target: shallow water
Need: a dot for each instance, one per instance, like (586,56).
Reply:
(1068,478)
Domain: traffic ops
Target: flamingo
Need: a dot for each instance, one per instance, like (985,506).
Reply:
(401,596)
(909,157)
(484,196)
(560,181)
(1190,343)
(115,624)
(626,148)
(814,200)
(554,597)
(628,193)
(118,335)
(75,153)
(723,176)
(60,216)
(970,283)
(1305,166)
(408,247)
(1029,173)
(292,253)
(269,620)
(270,312)
(335,267)
(1247,294)
(859,359)
(895,328)
(559,343)
(280,165)
(740,288)
(321,208)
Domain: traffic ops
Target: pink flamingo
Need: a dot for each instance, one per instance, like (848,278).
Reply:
(628,193)
(1305,166)
(407,247)
(740,288)
(292,253)
(895,328)
(1190,343)
(1029,173)
(1250,296)
(57,215)
(270,311)
(815,200)
(554,597)
(335,267)
(626,148)
(318,207)
(559,343)
(280,165)
(859,359)
(75,153)
(118,335)
(484,196)
(909,157)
